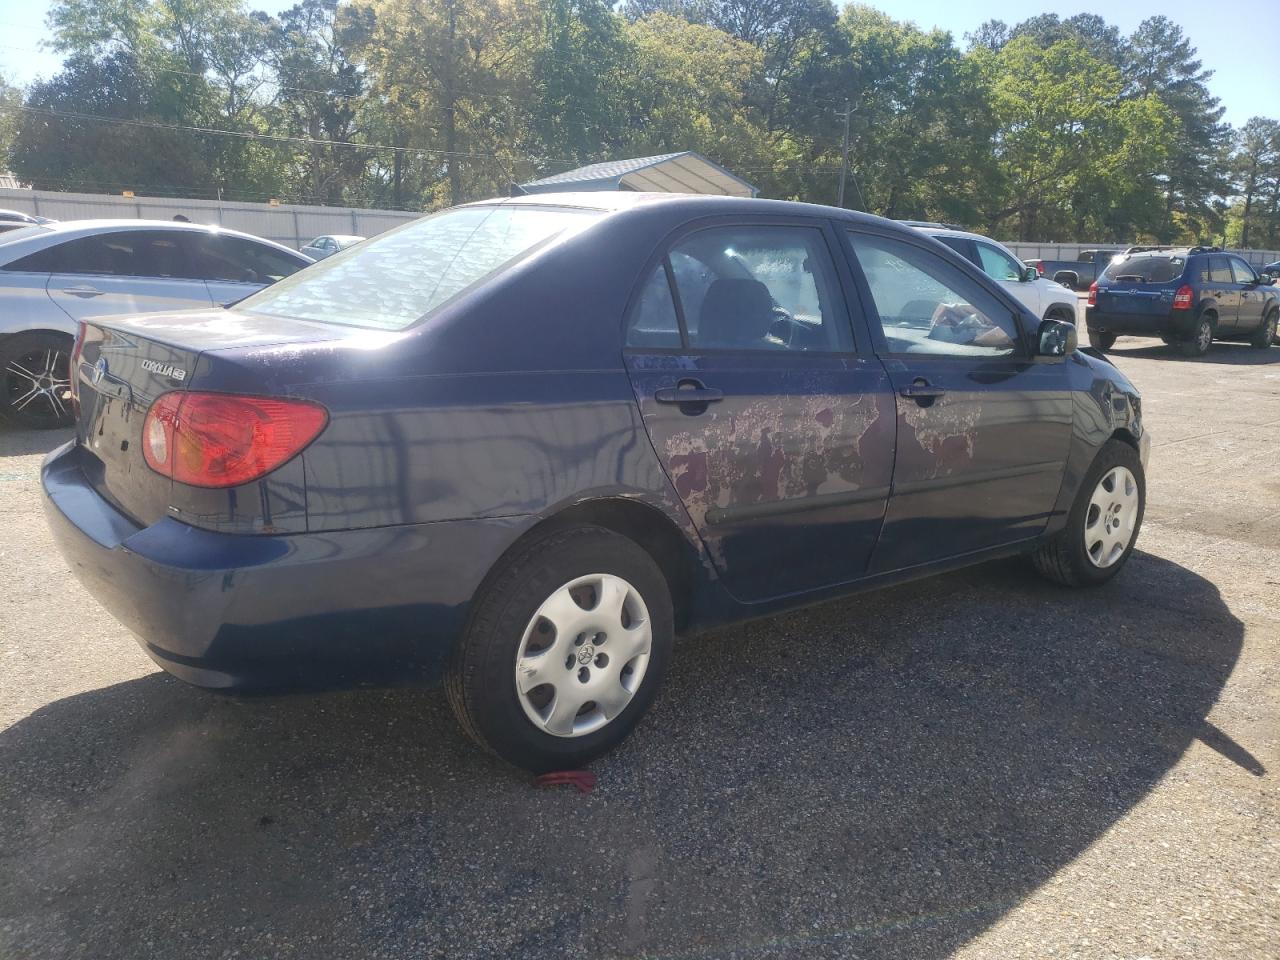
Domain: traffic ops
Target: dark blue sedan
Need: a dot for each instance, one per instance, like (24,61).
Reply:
(522,444)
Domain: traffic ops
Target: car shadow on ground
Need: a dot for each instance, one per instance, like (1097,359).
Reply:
(15,442)
(1234,354)
(884,776)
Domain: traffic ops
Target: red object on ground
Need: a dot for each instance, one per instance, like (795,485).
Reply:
(584,780)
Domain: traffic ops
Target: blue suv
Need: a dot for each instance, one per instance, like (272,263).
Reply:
(524,443)
(1186,296)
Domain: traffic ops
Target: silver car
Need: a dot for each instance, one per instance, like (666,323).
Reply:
(329,244)
(54,275)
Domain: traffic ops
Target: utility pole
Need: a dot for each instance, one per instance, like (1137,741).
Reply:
(844,153)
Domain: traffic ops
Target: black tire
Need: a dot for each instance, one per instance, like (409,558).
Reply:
(29,398)
(1262,339)
(1064,557)
(1102,341)
(1197,345)
(481,680)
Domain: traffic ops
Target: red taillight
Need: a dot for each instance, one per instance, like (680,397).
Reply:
(1182,299)
(1039,265)
(224,440)
(1093,294)
(73,369)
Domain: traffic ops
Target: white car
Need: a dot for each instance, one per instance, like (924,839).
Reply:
(54,275)
(329,244)
(1046,299)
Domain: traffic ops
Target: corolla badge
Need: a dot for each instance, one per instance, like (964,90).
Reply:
(164,369)
(99,371)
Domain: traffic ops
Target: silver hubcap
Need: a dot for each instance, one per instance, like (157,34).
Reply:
(1112,515)
(583,655)
(38,383)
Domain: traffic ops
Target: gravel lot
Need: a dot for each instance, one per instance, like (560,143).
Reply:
(980,765)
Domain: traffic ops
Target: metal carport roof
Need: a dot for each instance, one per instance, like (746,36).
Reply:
(684,172)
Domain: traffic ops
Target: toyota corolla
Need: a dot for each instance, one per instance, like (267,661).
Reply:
(520,445)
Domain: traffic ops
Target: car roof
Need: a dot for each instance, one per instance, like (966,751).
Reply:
(686,204)
(941,231)
(52,233)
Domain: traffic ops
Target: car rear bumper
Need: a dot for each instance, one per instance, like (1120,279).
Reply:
(229,611)
(1170,324)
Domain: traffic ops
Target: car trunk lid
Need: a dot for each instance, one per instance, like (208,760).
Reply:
(125,363)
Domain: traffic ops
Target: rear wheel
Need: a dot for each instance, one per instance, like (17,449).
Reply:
(1104,521)
(1197,345)
(1102,341)
(1262,339)
(35,380)
(565,649)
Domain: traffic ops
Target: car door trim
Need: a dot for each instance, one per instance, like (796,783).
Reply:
(967,479)
(721,516)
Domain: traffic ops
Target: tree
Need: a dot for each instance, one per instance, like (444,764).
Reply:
(1161,62)
(920,124)
(10,114)
(455,76)
(1255,165)
(321,99)
(1066,136)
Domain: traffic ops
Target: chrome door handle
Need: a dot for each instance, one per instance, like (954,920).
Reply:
(82,291)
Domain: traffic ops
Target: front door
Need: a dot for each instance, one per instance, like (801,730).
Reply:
(982,429)
(1252,300)
(776,435)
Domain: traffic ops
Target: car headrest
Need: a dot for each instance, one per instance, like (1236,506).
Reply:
(735,312)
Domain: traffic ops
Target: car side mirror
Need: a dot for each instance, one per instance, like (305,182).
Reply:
(1029,275)
(1057,338)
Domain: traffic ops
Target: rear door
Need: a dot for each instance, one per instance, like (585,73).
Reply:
(1223,288)
(124,271)
(1252,300)
(234,267)
(982,428)
(776,433)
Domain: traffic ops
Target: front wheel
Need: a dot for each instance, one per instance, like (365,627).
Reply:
(564,651)
(1198,344)
(35,380)
(1104,521)
(1102,341)
(1262,339)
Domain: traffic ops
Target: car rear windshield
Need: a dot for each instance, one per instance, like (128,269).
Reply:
(1140,269)
(394,280)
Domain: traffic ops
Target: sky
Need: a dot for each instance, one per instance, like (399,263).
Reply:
(1245,58)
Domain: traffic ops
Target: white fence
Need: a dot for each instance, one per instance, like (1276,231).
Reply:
(1069,251)
(289,224)
(294,225)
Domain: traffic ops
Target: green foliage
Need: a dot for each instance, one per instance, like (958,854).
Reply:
(1049,129)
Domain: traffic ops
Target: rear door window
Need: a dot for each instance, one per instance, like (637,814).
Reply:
(756,287)
(154,254)
(1220,270)
(653,321)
